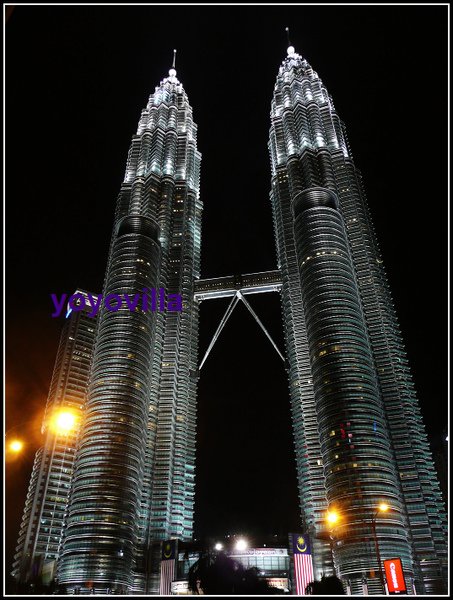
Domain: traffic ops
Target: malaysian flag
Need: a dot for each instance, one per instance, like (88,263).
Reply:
(303,562)
(167,567)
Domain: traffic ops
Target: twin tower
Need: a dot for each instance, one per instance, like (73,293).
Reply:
(358,434)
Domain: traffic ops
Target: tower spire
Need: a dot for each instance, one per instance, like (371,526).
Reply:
(287,35)
(172,71)
(290,50)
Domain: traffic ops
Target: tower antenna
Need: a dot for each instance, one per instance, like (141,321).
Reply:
(287,35)
(174,59)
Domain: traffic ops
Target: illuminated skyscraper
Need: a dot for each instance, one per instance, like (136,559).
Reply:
(48,493)
(134,473)
(358,432)
(359,437)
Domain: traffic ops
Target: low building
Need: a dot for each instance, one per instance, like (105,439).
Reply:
(272,564)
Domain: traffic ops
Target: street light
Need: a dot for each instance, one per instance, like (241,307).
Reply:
(218,546)
(383,507)
(15,446)
(241,545)
(63,422)
(332,517)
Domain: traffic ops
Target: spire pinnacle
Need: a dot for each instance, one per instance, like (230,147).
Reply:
(290,50)
(172,71)
(287,35)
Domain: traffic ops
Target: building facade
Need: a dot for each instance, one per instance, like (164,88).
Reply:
(40,536)
(358,433)
(134,475)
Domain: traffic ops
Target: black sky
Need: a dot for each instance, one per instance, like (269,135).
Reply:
(77,79)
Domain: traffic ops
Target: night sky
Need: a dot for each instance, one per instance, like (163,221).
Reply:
(77,79)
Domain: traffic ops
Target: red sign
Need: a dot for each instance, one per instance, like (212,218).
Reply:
(395,576)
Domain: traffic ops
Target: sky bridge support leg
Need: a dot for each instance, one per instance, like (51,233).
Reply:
(255,316)
(225,318)
(238,296)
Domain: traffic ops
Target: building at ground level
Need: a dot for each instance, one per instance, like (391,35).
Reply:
(272,559)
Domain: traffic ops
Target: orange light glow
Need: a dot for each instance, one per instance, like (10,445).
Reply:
(16,446)
(332,517)
(63,422)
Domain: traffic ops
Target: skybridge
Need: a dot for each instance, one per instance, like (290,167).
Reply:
(226,287)
(237,287)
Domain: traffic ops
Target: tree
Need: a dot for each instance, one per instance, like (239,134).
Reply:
(327,586)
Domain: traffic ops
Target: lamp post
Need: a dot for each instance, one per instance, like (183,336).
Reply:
(327,536)
(383,507)
(332,517)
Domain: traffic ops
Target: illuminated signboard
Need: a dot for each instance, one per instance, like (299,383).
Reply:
(180,588)
(259,552)
(395,576)
(278,582)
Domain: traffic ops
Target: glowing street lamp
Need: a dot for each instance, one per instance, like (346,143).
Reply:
(382,507)
(15,446)
(13,443)
(218,546)
(241,545)
(63,422)
(332,517)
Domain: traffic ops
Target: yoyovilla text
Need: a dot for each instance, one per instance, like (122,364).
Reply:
(149,300)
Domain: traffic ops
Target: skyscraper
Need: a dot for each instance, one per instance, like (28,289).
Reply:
(358,433)
(134,474)
(40,535)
